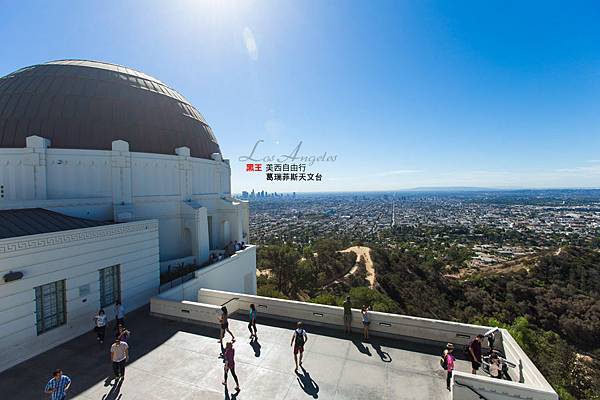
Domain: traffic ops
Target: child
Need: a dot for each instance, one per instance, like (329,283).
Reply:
(448,360)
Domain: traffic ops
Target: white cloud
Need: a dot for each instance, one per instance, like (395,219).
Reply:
(250,44)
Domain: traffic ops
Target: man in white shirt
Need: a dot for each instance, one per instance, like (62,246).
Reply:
(119,355)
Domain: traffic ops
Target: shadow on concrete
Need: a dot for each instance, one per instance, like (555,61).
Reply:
(233,396)
(385,357)
(255,347)
(360,346)
(307,383)
(415,345)
(114,393)
(87,362)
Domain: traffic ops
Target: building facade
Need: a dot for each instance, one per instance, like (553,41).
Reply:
(107,178)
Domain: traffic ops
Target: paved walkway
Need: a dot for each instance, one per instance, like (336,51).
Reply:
(180,361)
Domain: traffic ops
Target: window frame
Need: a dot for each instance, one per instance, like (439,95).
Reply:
(115,272)
(60,293)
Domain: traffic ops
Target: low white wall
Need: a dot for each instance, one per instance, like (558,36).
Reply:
(384,324)
(75,256)
(466,386)
(186,310)
(391,325)
(514,353)
(236,273)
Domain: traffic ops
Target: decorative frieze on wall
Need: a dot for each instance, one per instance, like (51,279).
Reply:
(72,236)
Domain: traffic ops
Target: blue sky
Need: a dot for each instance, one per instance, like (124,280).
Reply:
(404,93)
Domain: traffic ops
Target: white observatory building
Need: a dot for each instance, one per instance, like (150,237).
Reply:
(107,178)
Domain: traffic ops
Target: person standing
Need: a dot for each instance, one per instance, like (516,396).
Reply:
(230,365)
(58,385)
(474,353)
(299,339)
(224,321)
(124,334)
(348,315)
(100,325)
(119,355)
(495,365)
(448,362)
(119,313)
(252,323)
(365,321)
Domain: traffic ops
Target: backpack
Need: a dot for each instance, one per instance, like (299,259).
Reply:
(444,362)
(299,338)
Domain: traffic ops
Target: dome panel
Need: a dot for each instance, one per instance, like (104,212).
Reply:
(80,104)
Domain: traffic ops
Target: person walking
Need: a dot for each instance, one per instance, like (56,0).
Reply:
(365,321)
(474,353)
(58,385)
(119,355)
(348,315)
(252,323)
(299,339)
(224,321)
(100,325)
(119,313)
(230,365)
(448,360)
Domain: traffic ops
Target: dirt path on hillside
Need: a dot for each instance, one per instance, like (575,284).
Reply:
(362,251)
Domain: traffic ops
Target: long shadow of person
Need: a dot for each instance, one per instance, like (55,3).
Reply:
(256,347)
(385,356)
(307,383)
(114,393)
(232,397)
(361,347)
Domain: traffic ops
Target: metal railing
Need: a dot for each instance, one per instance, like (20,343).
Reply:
(229,301)
(176,282)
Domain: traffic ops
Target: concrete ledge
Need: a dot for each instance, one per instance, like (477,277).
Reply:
(384,324)
(468,386)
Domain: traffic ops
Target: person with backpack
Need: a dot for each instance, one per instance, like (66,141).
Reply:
(299,339)
(252,323)
(447,363)
(474,353)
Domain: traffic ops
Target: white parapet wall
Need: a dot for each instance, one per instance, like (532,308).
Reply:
(384,324)
(476,387)
(465,386)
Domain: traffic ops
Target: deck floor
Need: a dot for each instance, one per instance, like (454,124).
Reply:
(180,361)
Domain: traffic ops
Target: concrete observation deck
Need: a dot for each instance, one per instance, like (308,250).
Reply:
(180,361)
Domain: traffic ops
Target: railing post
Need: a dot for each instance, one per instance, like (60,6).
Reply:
(521,377)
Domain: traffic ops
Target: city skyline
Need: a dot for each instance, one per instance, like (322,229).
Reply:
(415,95)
